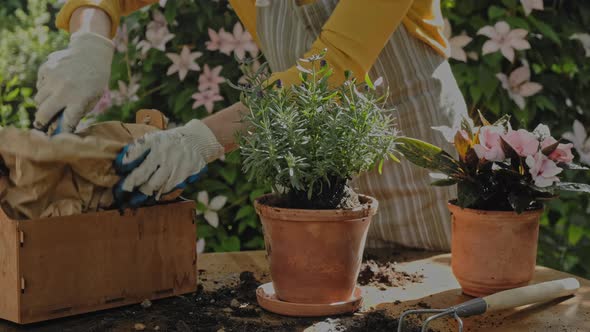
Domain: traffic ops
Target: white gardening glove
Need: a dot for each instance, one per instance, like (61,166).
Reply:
(73,80)
(165,161)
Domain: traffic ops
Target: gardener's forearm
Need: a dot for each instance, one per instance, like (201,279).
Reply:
(91,19)
(226,123)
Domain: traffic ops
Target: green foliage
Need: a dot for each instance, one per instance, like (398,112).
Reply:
(27,39)
(15,101)
(308,139)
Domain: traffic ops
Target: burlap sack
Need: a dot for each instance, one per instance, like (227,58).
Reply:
(63,175)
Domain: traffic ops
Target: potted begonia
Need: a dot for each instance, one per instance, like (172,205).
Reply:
(503,177)
(307,141)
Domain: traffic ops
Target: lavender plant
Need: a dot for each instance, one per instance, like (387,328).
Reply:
(306,141)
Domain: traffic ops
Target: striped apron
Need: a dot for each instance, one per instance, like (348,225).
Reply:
(424,93)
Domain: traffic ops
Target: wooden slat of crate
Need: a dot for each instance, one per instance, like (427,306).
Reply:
(9,283)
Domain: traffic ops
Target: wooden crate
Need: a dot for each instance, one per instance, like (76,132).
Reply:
(63,266)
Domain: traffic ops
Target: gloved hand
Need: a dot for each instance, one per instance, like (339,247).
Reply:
(162,162)
(73,80)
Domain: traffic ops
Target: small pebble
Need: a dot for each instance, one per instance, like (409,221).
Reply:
(156,328)
(212,301)
(139,327)
(234,303)
(146,303)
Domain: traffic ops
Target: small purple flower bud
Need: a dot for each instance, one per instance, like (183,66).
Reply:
(323,63)
(279,84)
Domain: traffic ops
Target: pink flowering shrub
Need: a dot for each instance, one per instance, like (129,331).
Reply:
(499,168)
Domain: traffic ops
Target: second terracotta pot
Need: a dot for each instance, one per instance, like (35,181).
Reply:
(315,255)
(493,250)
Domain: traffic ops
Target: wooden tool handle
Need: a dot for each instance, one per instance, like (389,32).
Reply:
(542,292)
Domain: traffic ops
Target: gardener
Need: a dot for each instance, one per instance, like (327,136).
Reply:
(399,40)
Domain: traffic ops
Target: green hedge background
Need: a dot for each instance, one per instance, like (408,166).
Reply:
(558,59)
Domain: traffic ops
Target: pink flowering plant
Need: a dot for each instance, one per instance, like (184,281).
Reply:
(498,168)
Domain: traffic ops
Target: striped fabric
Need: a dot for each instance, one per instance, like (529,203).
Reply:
(424,93)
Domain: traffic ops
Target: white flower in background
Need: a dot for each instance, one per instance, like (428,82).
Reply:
(584,38)
(206,98)
(579,137)
(163,3)
(518,85)
(126,92)
(529,5)
(211,208)
(183,63)
(157,34)
(456,43)
(504,40)
(200,246)
(210,79)
(121,39)
(220,41)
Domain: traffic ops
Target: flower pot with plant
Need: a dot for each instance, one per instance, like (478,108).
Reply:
(307,141)
(503,177)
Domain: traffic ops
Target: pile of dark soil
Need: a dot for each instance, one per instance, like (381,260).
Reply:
(384,275)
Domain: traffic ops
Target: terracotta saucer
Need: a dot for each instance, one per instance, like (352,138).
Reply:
(268,300)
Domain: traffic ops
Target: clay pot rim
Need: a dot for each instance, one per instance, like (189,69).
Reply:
(454,207)
(366,210)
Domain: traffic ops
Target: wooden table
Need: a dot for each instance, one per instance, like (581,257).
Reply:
(439,289)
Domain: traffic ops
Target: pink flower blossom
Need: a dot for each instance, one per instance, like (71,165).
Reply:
(239,41)
(127,92)
(104,103)
(222,41)
(579,137)
(518,85)
(563,153)
(210,79)
(524,143)
(121,39)
(504,40)
(543,170)
(490,146)
(206,98)
(183,63)
(157,34)
(456,43)
(529,5)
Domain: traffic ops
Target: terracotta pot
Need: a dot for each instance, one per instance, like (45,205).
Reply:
(493,250)
(315,255)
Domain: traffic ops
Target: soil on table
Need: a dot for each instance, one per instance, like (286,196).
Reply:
(383,275)
(230,308)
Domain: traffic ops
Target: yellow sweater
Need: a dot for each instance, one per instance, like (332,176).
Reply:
(354,35)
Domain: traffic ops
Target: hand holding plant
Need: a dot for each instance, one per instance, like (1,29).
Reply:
(499,168)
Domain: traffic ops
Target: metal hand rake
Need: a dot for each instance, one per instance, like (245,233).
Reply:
(507,299)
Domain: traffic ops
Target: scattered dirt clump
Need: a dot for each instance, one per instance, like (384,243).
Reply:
(384,275)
